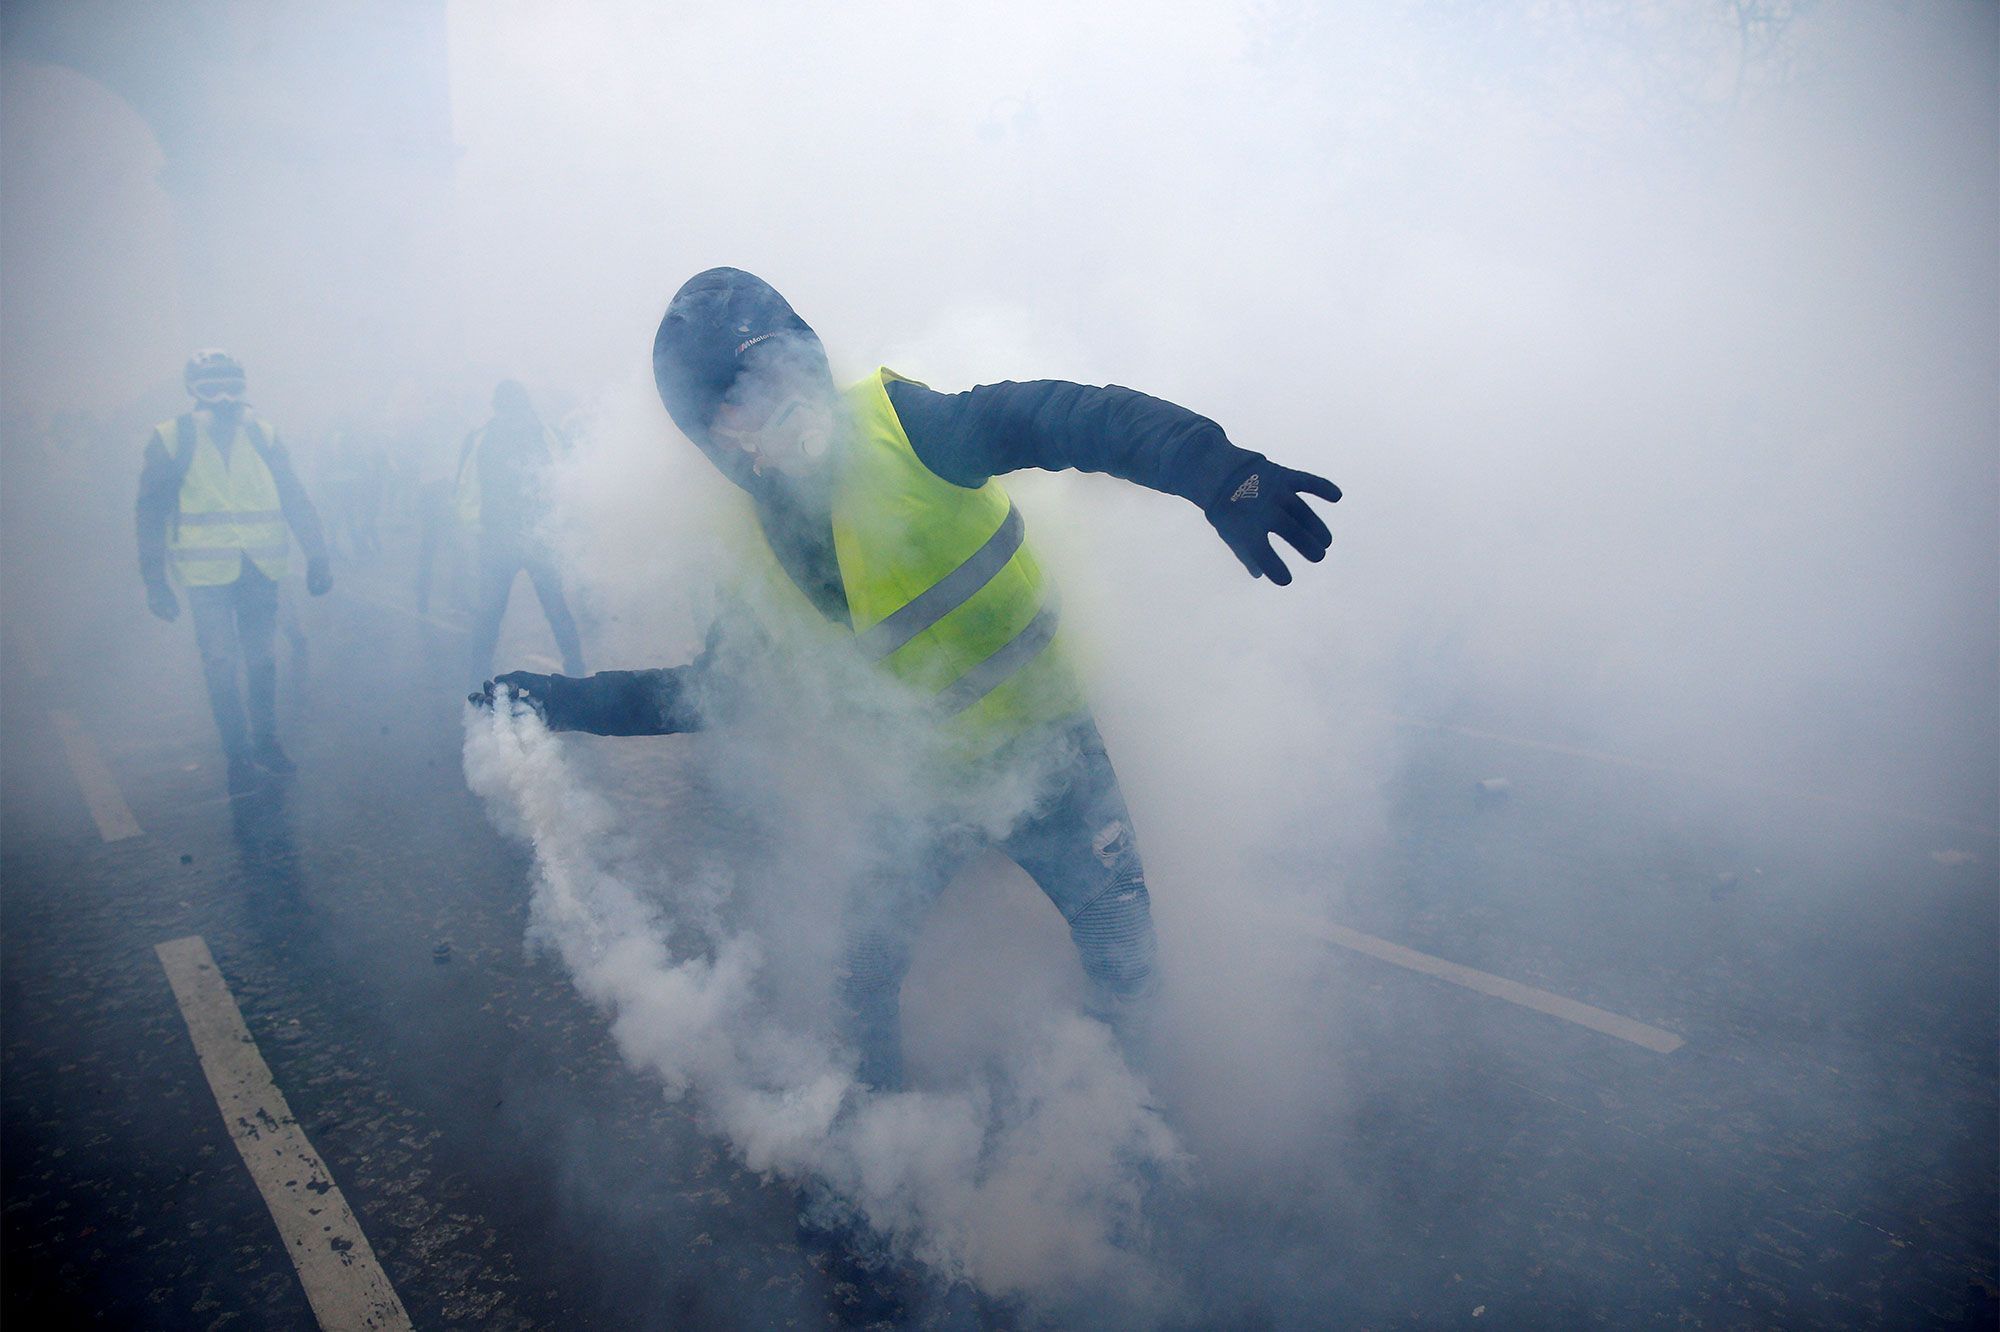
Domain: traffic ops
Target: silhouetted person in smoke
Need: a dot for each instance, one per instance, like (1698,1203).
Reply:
(355,474)
(216,495)
(877,511)
(500,502)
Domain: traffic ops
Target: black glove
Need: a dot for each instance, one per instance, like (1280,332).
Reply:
(160,600)
(528,688)
(319,576)
(1265,500)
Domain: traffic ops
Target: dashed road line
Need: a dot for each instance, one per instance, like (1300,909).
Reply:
(107,807)
(1499,987)
(343,1281)
(1674,770)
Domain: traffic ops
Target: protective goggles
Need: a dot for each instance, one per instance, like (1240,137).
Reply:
(222,388)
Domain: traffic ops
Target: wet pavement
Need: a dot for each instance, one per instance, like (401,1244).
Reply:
(1822,1152)
(467,1106)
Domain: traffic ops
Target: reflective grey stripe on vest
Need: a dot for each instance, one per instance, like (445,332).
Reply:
(947,594)
(277,552)
(1008,658)
(233,516)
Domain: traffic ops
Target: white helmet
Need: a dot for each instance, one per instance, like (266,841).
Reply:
(213,375)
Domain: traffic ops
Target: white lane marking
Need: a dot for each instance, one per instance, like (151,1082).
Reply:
(1740,783)
(343,1282)
(107,807)
(1527,996)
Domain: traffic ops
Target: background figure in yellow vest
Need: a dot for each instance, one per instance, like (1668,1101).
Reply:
(877,512)
(500,503)
(216,495)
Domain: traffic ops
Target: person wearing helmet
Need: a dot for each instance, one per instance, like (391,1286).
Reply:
(217,495)
(500,503)
(880,506)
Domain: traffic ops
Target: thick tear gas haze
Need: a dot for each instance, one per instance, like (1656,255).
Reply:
(1512,347)
(1654,667)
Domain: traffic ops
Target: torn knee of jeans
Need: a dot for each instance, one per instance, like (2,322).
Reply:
(1112,843)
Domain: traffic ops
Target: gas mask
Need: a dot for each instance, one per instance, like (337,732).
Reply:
(781,413)
(790,435)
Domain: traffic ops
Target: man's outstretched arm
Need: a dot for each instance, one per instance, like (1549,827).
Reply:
(1056,425)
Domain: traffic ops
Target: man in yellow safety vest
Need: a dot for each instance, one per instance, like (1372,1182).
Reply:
(217,495)
(878,518)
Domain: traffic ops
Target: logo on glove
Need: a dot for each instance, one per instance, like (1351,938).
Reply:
(1248,490)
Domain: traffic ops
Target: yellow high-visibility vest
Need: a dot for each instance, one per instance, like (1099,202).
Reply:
(229,510)
(942,588)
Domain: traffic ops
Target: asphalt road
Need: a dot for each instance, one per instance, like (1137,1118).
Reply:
(1822,1151)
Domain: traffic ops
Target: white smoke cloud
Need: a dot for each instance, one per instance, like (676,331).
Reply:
(1026,1173)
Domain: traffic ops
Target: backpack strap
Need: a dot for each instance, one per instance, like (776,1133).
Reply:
(184,441)
(178,462)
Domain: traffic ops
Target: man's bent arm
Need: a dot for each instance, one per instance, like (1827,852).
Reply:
(655,702)
(1056,425)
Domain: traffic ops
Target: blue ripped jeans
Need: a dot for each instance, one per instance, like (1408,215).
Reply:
(1078,847)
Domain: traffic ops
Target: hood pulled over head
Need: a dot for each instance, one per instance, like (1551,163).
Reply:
(731,346)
